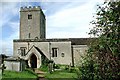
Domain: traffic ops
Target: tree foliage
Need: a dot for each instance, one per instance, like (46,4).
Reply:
(104,53)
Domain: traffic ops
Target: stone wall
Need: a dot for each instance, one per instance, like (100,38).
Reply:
(78,52)
(64,47)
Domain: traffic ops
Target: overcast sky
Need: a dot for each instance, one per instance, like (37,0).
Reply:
(64,19)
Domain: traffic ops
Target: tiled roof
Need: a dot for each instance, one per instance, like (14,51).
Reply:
(81,41)
(74,41)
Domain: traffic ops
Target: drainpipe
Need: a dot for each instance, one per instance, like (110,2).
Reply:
(50,64)
(72,55)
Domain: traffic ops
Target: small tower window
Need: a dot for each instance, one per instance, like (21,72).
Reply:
(29,16)
(29,35)
(62,54)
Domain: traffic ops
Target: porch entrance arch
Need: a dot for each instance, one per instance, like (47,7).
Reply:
(33,61)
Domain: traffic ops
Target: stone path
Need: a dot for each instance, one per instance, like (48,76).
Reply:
(41,74)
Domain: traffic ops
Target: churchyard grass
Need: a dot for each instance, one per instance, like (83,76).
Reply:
(27,74)
(61,74)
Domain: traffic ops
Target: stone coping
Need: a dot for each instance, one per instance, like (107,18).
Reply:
(13,59)
(40,40)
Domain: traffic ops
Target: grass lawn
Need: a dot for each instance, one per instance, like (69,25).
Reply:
(19,75)
(61,74)
(28,74)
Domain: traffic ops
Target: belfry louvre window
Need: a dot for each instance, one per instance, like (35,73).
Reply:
(23,50)
(54,52)
(29,35)
(29,16)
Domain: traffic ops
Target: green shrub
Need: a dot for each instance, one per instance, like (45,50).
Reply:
(44,68)
(56,66)
(67,67)
(72,70)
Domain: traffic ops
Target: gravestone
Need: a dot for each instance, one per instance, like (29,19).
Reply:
(2,67)
(14,64)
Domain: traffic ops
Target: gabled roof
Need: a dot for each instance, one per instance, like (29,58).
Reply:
(37,50)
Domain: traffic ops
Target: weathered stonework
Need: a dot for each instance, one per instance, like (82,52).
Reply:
(14,64)
(46,48)
(33,27)
(79,51)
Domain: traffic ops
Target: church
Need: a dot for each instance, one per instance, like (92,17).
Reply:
(33,47)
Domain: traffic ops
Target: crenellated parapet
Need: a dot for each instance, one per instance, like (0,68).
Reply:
(30,8)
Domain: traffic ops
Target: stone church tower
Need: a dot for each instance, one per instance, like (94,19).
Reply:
(32,23)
